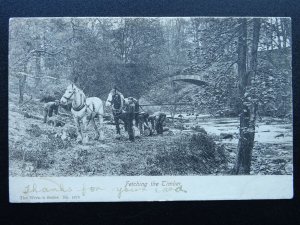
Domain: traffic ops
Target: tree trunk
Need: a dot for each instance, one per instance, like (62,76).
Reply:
(22,82)
(174,107)
(247,111)
(38,60)
(287,25)
(242,57)
(278,33)
(283,29)
(38,71)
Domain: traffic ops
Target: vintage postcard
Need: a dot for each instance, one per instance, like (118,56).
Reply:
(150,109)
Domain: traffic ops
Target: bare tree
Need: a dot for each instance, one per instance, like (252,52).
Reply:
(247,107)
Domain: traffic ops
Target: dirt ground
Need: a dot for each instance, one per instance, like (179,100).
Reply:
(36,149)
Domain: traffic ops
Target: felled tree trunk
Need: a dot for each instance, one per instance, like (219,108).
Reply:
(247,111)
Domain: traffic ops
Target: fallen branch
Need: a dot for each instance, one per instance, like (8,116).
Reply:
(39,77)
(26,101)
(27,115)
(65,114)
(32,52)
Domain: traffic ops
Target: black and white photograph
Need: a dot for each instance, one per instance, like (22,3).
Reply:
(150,96)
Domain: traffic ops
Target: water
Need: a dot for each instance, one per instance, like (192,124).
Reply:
(264,132)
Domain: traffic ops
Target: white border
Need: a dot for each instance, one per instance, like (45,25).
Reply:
(114,189)
(165,188)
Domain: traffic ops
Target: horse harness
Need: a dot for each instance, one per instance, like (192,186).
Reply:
(82,105)
(83,101)
(124,107)
(117,111)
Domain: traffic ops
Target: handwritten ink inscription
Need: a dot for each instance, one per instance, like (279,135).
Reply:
(55,191)
(157,187)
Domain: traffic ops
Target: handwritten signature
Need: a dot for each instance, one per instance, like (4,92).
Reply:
(55,187)
(122,190)
(126,189)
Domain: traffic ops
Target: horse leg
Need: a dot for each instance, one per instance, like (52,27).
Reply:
(85,123)
(152,126)
(117,124)
(79,132)
(125,125)
(130,127)
(136,119)
(146,126)
(157,125)
(136,114)
(141,124)
(122,118)
(96,129)
(101,127)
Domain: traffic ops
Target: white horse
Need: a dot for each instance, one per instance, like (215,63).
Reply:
(84,110)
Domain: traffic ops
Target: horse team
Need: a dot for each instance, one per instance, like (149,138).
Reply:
(88,110)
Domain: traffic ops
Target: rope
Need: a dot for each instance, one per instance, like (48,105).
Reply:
(142,108)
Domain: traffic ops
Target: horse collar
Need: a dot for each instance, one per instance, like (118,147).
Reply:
(79,107)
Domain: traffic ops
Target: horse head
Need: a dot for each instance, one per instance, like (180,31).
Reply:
(69,94)
(109,98)
(115,99)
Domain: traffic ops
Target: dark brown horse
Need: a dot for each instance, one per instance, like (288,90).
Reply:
(125,109)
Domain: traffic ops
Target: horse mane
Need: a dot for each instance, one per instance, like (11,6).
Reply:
(77,88)
(74,86)
(112,91)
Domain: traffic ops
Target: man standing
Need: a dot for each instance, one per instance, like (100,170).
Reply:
(49,108)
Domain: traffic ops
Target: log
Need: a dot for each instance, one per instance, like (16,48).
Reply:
(65,114)
(27,115)
(55,122)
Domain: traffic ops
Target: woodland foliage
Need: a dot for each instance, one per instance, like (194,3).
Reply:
(138,54)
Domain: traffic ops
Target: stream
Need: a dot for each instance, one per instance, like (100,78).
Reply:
(268,131)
